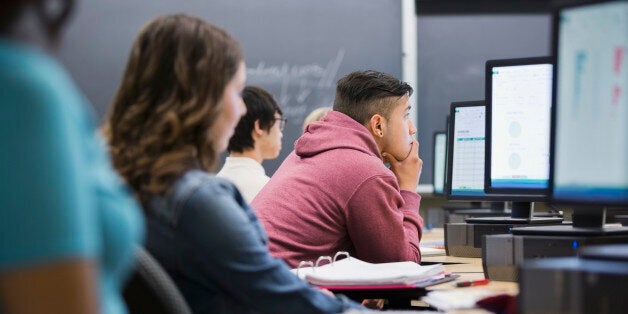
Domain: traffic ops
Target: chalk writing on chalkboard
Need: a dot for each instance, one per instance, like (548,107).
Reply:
(298,88)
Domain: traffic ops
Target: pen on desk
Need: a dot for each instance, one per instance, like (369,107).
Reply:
(470,283)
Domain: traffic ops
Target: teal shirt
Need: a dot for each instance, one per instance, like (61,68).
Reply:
(59,195)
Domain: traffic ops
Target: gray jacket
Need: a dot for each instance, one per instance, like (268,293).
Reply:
(211,243)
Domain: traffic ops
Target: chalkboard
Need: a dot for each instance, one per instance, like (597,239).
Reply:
(295,49)
(452,51)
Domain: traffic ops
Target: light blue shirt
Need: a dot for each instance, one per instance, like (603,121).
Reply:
(59,196)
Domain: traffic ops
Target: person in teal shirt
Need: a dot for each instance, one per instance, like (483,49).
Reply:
(68,226)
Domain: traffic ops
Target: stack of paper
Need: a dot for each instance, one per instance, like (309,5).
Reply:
(352,271)
(456,299)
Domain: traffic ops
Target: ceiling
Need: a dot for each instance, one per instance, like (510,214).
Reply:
(427,7)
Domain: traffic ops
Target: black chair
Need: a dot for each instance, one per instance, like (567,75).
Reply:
(151,290)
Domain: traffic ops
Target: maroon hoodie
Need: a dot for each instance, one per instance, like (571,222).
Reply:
(334,193)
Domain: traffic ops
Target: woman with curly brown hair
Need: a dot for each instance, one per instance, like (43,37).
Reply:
(177,106)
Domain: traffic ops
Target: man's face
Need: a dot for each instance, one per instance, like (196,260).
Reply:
(397,139)
(270,142)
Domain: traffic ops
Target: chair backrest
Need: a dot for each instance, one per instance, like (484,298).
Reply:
(151,290)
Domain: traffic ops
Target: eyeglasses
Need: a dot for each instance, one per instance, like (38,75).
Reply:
(282,123)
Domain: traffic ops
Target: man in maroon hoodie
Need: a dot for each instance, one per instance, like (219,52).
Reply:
(334,191)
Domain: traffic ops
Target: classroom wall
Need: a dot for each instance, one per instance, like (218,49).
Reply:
(299,49)
(452,51)
(295,49)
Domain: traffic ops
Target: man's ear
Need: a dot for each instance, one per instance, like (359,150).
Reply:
(257,130)
(377,125)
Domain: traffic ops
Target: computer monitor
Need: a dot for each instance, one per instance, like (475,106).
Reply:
(589,159)
(588,143)
(440,159)
(465,159)
(518,113)
(474,206)
(465,153)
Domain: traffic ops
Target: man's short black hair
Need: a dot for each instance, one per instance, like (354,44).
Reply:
(260,105)
(362,94)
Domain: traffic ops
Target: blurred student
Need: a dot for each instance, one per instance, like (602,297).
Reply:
(67,226)
(315,115)
(175,111)
(257,138)
(334,192)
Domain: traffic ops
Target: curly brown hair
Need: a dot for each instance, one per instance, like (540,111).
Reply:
(159,122)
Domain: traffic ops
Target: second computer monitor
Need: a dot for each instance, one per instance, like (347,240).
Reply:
(440,159)
(518,115)
(465,154)
(465,170)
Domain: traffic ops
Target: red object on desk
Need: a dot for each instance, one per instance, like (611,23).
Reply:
(501,304)
(471,283)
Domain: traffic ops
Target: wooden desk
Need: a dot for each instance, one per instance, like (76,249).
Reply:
(434,234)
(467,268)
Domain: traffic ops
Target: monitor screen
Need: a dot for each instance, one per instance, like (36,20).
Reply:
(465,154)
(467,167)
(440,158)
(590,118)
(518,110)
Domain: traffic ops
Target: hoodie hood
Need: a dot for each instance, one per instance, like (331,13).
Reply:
(335,131)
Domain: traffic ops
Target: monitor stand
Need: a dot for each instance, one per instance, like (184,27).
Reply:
(617,215)
(436,217)
(587,221)
(522,213)
(476,209)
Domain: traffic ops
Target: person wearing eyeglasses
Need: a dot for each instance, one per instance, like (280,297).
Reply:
(256,138)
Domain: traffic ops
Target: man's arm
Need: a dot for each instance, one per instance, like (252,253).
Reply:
(383,222)
(408,170)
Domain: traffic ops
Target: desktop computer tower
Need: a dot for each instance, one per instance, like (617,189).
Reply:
(465,240)
(584,284)
(438,216)
(503,254)
(461,215)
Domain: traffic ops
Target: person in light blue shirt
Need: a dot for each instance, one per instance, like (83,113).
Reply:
(68,227)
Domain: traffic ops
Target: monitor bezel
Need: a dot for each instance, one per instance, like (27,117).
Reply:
(434,136)
(540,194)
(555,30)
(450,157)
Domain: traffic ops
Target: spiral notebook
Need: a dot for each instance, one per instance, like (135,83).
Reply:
(351,271)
